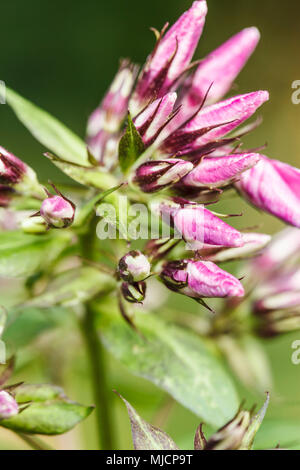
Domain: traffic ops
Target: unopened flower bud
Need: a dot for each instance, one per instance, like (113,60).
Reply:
(14,173)
(134,292)
(57,210)
(198,226)
(8,406)
(134,267)
(200,279)
(156,175)
(277,192)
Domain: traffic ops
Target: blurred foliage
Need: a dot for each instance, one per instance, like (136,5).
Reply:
(62,55)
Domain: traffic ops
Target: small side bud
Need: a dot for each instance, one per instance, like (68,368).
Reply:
(134,267)
(57,211)
(8,406)
(134,293)
(157,175)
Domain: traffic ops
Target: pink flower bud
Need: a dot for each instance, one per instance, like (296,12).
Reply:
(134,267)
(57,211)
(8,406)
(156,175)
(171,56)
(282,301)
(274,187)
(213,123)
(153,120)
(218,172)
(199,226)
(283,247)
(12,170)
(220,68)
(200,279)
(134,292)
(6,195)
(105,122)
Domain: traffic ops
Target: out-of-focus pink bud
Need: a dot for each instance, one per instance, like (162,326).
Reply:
(278,283)
(213,123)
(134,292)
(8,405)
(6,195)
(134,267)
(220,69)
(284,246)
(12,169)
(153,120)
(274,187)
(171,57)
(218,172)
(15,173)
(156,175)
(253,243)
(105,122)
(57,210)
(200,279)
(199,226)
(283,301)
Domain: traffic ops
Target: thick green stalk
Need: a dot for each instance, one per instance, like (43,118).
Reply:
(34,442)
(98,366)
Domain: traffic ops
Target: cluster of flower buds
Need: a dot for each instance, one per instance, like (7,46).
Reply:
(103,130)
(276,301)
(238,434)
(8,405)
(134,268)
(56,211)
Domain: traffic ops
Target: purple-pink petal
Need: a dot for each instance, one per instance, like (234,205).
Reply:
(221,67)
(215,172)
(274,187)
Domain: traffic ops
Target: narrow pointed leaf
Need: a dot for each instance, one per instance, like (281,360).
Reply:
(131,146)
(144,435)
(51,133)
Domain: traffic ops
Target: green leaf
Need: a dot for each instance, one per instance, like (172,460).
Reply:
(23,254)
(174,359)
(274,431)
(38,393)
(72,287)
(3,318)
(50,418)
(131,146)
(26,324)
(145,436)
(51,133)
(88,176)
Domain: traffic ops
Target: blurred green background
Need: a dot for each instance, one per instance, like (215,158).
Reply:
(62,55)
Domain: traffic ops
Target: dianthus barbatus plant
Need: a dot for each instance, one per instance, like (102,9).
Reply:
(166,129)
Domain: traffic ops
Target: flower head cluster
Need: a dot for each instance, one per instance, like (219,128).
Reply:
(188,134)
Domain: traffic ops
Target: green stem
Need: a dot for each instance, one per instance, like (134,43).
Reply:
(99,377)
(98,366)
(34,442)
